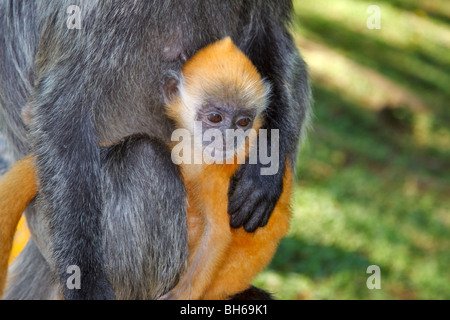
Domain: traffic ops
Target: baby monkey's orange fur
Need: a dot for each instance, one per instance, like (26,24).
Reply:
(222,261)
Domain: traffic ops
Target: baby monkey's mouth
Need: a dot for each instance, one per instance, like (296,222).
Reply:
(225,150)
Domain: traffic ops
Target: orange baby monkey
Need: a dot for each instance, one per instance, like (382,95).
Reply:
(219,89)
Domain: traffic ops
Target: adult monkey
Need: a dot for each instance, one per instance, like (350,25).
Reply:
(100,86)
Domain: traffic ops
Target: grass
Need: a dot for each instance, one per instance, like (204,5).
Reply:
(373,178)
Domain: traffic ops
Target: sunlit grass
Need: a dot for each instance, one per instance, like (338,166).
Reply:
(399,28)
(405,64)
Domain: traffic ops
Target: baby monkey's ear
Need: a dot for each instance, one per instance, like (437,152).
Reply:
(171,84)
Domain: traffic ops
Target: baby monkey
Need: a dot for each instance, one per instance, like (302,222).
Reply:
(219,89)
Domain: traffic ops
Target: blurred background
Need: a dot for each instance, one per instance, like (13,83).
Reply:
(373,176)
(373,180)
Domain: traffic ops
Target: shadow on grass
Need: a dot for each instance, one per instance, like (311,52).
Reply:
(374,163)
(315,260)
(363,136)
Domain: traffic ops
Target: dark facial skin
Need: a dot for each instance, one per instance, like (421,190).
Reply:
(222,117)
(225,117)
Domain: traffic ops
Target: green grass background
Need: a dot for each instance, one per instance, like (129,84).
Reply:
(373,176)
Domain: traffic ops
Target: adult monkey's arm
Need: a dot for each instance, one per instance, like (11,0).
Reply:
(268,43)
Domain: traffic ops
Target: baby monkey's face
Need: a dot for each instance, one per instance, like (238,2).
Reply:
(222,117)
(224,128)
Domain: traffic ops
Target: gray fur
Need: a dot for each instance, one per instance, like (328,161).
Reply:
(18,45)
(103,83)
(136,241)
(30,278)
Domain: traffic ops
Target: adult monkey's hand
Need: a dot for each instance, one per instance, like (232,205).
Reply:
(252,196)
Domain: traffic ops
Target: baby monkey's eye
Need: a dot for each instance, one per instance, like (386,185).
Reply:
(244,122)
(215,117)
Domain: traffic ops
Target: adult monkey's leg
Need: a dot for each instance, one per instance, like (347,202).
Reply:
(144,223)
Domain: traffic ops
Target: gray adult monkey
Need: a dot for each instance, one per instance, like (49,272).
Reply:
(118,212)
